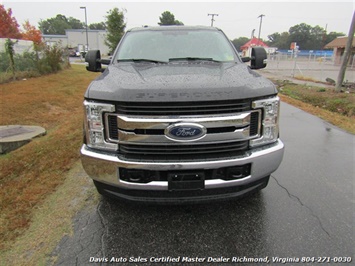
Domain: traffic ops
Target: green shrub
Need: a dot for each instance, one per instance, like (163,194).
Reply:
(54,57)
(25,62)
(9,48)
(44,60)
(4,62)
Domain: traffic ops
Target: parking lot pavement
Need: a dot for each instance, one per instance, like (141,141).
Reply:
(305,212)
(303,67)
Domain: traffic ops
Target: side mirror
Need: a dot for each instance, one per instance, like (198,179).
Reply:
(93,58)
(246,59)
(258,58)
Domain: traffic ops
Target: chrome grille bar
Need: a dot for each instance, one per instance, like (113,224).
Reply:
(145,130)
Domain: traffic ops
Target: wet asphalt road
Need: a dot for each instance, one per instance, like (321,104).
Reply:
(307,210)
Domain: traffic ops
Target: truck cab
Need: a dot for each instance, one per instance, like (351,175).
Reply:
(177,116)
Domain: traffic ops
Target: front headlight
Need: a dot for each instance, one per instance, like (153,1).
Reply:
(94,125)
(270,121)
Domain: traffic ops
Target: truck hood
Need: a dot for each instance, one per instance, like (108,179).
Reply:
(178,81)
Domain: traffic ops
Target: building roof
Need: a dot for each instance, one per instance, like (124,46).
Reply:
(339,42)
(83,30)
(253,42)
(53,36)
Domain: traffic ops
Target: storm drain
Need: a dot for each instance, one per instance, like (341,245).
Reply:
(13,137)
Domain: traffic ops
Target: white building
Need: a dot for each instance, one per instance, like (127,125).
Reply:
(20,46)
(76,38)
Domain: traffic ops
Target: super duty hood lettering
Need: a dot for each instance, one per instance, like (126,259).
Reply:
(179,82)
(183,95)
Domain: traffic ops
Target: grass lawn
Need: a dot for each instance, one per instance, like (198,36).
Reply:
(336,108)
(28,175)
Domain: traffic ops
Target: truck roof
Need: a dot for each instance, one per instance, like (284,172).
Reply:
(174,28)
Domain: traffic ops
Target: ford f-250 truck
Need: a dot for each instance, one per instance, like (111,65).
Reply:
(177,116)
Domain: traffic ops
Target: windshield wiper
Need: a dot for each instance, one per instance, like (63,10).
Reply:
(141,60)
(193,59)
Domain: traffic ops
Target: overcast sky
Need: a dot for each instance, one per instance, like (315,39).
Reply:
(235,18)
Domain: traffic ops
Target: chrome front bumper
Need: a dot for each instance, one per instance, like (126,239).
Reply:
(104,167)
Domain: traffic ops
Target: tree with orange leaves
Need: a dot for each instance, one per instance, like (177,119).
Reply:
(30,33)
(9,27)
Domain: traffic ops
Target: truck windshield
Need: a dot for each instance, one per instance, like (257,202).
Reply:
(175,45)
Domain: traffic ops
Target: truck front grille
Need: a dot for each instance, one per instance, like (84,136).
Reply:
(112,127)
(139,130)
(254,123)
(183,108)
(182,152)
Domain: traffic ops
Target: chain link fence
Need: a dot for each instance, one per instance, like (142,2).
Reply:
(311,66)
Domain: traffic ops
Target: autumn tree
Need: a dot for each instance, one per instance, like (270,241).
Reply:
(31,33)
(9,28)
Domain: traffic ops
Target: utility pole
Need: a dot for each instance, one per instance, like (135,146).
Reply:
(324,36)
(346,55)
(252,34)
(86,26)
(212,19)
(261,21)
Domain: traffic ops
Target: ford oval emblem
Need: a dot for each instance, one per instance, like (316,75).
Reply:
(184,132)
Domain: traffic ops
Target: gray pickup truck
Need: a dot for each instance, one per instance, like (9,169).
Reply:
(177,116)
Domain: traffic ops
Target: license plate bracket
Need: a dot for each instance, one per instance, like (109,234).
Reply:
(186,181)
